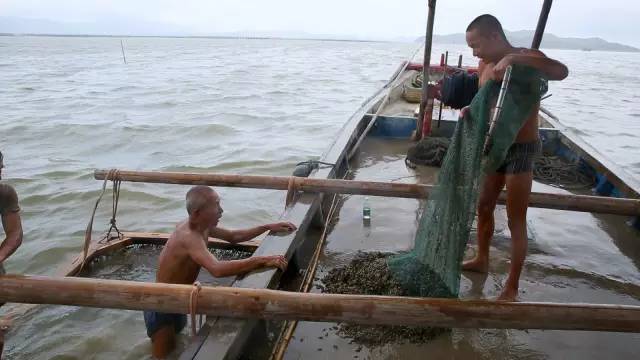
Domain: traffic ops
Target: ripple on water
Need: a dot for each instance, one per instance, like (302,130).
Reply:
(209,105)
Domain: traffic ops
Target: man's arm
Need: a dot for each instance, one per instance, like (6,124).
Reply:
(13,229)
(552,69)
(220,268)
(238,236)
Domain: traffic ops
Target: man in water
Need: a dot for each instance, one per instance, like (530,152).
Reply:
(487,39)
(186,252)
(12,225)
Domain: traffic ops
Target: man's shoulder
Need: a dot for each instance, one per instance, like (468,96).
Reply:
(184,234)
(8,199)
(528,51)
(6,189)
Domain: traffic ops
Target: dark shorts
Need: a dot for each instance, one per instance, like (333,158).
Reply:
(520,158)
(155,320)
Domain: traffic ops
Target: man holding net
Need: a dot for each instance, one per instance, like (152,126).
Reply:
(489,43)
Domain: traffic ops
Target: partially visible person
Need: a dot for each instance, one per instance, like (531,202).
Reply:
(11,223)
(186,252)
(12,226)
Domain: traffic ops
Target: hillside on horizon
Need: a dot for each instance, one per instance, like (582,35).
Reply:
(523,38)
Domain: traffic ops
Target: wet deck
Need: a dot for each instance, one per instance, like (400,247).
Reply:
(573,257)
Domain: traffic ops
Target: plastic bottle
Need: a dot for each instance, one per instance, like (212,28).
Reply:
(366,209)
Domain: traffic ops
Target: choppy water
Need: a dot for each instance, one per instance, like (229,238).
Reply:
(70,105)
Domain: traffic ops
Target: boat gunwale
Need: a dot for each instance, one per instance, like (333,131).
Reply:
(214,338)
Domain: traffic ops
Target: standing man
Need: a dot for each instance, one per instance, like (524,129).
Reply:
(489,43)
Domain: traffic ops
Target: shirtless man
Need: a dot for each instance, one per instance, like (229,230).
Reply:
(489,43)
(12,225)
(186,252)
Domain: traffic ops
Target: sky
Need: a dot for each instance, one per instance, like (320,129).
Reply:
(380,19)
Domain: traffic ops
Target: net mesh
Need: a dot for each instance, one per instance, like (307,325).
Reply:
(432,268)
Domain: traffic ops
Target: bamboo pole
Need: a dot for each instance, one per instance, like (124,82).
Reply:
(428,40)
(122,47)
(446,62)
(584,203)
(307,281)
(282,305)
(542,23)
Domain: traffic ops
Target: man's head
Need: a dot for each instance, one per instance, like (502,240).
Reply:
(486,38)
(203,206)
(1,164)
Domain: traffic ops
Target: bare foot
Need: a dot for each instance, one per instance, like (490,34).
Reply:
(476,264)
(508,294)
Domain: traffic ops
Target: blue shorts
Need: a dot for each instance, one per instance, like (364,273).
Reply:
(155,320)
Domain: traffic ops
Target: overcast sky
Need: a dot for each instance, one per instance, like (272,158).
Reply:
(613,20)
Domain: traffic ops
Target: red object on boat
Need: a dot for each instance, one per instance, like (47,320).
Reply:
(439,68)
(428,115)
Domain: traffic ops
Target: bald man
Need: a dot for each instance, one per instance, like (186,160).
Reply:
(186,252)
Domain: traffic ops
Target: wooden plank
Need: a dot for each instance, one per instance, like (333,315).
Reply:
(227,336)
(97,249)
(284,305)
(130,238)
(213,243)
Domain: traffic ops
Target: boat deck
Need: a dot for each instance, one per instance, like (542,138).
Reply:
(561,266)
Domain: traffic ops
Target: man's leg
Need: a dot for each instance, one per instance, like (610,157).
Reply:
(491,188)
(163,341)
(518,191)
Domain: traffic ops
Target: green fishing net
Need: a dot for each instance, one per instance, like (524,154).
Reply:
(432,268)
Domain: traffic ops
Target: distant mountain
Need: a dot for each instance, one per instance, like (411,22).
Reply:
(524,37)
(120,26)
(110,26)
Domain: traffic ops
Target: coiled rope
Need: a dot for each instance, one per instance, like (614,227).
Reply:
(557,172)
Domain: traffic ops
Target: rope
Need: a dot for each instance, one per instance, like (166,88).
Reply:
(292,189)
(115,197)
(315,162)
(304,168)
(416,80)
(193,307)
(290,326)
(557,172)
(113,173)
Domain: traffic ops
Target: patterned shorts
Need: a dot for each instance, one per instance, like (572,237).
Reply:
(520,158)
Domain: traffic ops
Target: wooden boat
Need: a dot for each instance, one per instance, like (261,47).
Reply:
(378,131)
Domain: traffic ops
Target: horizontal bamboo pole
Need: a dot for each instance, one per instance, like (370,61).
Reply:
(282,305)
(596,204)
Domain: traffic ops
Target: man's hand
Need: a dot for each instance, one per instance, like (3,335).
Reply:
(435,90)
(497,73)
(464,111)
(281,226)
(275,261)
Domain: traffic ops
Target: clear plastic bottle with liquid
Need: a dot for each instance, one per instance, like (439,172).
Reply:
(366,209)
